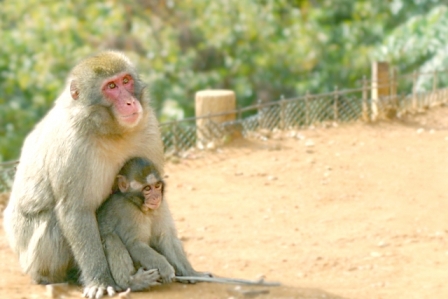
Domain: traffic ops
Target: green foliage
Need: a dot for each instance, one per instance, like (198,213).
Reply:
(260,49)
(418,42)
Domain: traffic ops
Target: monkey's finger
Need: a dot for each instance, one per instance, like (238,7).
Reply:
(152,271)
(153,274)
(110,291)
(100,293)
(90,292)
(97,292)
(153,278)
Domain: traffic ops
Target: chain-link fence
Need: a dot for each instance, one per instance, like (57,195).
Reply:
(370,102)
(364,103)
(7,171)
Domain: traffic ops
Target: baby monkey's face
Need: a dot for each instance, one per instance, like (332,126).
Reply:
(152,190)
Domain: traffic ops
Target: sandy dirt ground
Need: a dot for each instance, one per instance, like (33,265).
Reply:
(350,211)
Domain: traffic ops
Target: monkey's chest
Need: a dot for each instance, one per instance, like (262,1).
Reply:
(143,228)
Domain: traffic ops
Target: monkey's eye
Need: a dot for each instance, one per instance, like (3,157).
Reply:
(158,185)
(126,80)
(112,85)
(147,188)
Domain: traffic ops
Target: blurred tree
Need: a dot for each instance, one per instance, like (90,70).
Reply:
(419,43)
(261,49)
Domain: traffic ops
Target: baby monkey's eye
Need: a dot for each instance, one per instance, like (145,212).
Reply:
(158,185)
(147,188)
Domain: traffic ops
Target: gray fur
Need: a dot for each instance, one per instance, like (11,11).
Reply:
(133,238)
(67,166)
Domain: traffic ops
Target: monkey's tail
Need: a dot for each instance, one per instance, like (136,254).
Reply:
(260,281)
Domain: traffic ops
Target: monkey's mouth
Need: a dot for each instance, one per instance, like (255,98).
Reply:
(131,118)
(152,205)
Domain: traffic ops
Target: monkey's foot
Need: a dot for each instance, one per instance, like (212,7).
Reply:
(166,272)
(97,292)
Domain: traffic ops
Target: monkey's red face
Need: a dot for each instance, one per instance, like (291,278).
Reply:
(153,196)
(119,91)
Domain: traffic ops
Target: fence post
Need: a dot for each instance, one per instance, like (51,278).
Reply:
(435,93)
(175,138)
(380,87)
(240,114)
(414,90)
(394,87)
(365,108)
(307,108)
(209,102)
(260,114)
(335,104)
(283,121)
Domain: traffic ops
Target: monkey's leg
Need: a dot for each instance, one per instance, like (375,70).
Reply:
(171,248)
(122,266)
(48,257)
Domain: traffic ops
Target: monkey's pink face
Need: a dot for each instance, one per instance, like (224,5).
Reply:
(119,91)
(153,196)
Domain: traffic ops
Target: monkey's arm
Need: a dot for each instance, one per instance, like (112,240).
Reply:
(171,247)
(166,242)
(122,267)
(148,258)
(80,228)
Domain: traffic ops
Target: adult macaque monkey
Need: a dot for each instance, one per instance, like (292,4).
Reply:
(68,165)
(136,232)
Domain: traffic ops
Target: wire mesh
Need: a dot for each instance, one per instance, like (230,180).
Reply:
(7,172)
(181,136)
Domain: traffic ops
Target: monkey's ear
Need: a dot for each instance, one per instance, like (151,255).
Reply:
(74,91)
(123,184)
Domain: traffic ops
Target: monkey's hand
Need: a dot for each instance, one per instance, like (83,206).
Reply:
(97,291)
(144,279)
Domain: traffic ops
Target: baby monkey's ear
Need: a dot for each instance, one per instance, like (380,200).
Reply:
(123,183)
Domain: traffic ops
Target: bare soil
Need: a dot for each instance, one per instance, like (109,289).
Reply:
(349,211)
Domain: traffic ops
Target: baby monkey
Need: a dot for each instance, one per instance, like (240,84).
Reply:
(125,223)
(131,231)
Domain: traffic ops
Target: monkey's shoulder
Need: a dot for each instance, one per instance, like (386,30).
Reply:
(117,205)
